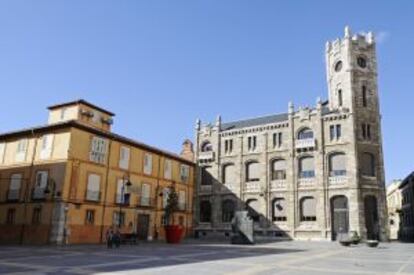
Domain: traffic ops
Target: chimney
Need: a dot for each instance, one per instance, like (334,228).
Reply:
(187,152)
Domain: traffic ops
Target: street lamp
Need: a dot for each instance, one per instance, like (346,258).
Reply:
(125,183)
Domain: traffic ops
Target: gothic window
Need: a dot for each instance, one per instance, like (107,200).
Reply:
(252,143)
(278,169)
(308,209)
(368,165)
(228,146)
(362,62)
(337,164)
(206,147)
(338,66)
(252,171)
(335,132)
(229,174)
(228,209)
(279,210)
(364,96)
(305,134)
(277,139)
(306,167)
(340,101)
(366,131)
(205,211)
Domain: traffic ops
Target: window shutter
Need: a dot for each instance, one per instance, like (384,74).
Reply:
(124,157)
(181,197)
(167,169)
(21,150)
(46,146)
(16,182)
(309,207)
(94,182)
(2,151)
(148,164)
(279,208)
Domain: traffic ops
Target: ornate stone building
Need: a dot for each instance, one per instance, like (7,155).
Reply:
(309,173)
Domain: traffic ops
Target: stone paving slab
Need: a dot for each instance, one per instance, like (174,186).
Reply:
(194,257)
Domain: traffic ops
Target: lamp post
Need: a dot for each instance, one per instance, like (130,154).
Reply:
(125,183)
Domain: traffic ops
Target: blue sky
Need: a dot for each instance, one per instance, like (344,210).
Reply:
(159,65)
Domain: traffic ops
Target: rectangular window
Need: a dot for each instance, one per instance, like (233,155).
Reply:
(147,164)
(184,173)
(2,152)
(93,192)
(42,178)
(37,215)
(369,131)
(46,146)
(364,133)
(181,200)
(122,194)
(118,219)
(145,194)
(340,101)
(98,150)
(364,96)
(90,217)
(338,131)
(277,139)
(332,132)
(124,154)
(21,150)
(11,216)
(14,188)
(228,146)
(280,139)
(168,169)
(251,143)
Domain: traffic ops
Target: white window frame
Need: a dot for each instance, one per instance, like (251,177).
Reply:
(145,194)
(46,146)
(98,150)
(92,188)
(147,164)
(168,169)
(21,150)
(124,157)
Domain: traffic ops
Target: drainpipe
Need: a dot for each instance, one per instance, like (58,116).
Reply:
(108,161)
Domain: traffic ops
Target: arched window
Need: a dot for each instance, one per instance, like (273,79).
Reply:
(279,210)
(229,173)
(305,133)
(337,164)
(306,167)
(228,208)
(205,211)
(278,169)
(206,147)
(252,171)
(368,165)
(308,209)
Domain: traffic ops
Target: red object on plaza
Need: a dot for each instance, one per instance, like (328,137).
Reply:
(173,233)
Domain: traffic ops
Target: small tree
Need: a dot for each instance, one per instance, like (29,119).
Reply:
(172,205)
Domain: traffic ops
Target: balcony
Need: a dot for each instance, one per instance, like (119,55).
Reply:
(124,200)
(306,178)
(93,195)
(308,143)
(338,180)
(13,195)
(206,156)
(38,193)
(252,187)
(206,188)
(277,184)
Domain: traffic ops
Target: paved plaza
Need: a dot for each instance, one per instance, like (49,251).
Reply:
(210,258)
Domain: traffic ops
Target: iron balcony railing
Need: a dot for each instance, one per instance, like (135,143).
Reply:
(38,193)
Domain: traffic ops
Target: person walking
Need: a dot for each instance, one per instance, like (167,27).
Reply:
(117,237)
(109,237)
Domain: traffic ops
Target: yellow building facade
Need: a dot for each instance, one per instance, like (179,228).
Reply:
(72,179)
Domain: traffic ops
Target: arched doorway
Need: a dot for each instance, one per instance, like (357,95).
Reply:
(340,216)
(371,217)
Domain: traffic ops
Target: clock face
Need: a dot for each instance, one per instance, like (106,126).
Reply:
(338,66)
(362,62)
